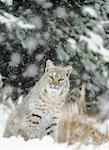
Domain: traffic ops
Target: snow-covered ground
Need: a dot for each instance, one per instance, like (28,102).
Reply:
(47,142)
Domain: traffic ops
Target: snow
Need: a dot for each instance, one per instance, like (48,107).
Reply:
(89,65)
(10,21)
(102,127)
(31,71)
(4,114)
(61,12)
(7,2)
(46,143)
(62,55)
(39,1)
(44,3)
(104,104)
(39,57)
(1,82)
(90,11)
(46,35)
(37,22)
(73,43)
(95,43)
(47,5)
(6,91)
(15,59)
(30,44)
(41,42)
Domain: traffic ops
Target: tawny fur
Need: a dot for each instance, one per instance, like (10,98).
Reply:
(40,111)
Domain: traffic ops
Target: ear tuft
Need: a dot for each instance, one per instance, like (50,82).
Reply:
(49,64)
(68,70)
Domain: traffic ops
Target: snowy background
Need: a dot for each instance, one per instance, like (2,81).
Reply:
(74,32)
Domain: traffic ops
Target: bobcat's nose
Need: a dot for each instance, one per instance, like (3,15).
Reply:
(55,83)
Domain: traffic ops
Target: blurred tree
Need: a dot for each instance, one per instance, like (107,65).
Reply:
(67,32)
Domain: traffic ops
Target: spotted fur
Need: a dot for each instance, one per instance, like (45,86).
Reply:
(40,110)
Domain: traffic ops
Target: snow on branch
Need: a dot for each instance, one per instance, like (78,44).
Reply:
(95,43)
(7,2)
(10,21)
(90,11)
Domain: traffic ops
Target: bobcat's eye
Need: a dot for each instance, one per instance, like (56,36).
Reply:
(61,79)
(50,77)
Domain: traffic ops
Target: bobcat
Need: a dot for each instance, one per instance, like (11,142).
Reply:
(39,113)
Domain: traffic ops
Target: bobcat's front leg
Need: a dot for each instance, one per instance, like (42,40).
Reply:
(56,134)
(55,122)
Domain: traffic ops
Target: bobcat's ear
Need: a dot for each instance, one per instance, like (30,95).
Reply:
(49,64)
(68,70)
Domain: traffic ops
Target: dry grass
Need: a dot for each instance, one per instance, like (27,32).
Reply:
(77,126)
(76,130)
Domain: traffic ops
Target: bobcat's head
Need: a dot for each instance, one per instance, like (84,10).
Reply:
(56,80)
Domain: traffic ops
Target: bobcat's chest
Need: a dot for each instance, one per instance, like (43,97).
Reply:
(53,92)
(40,122)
